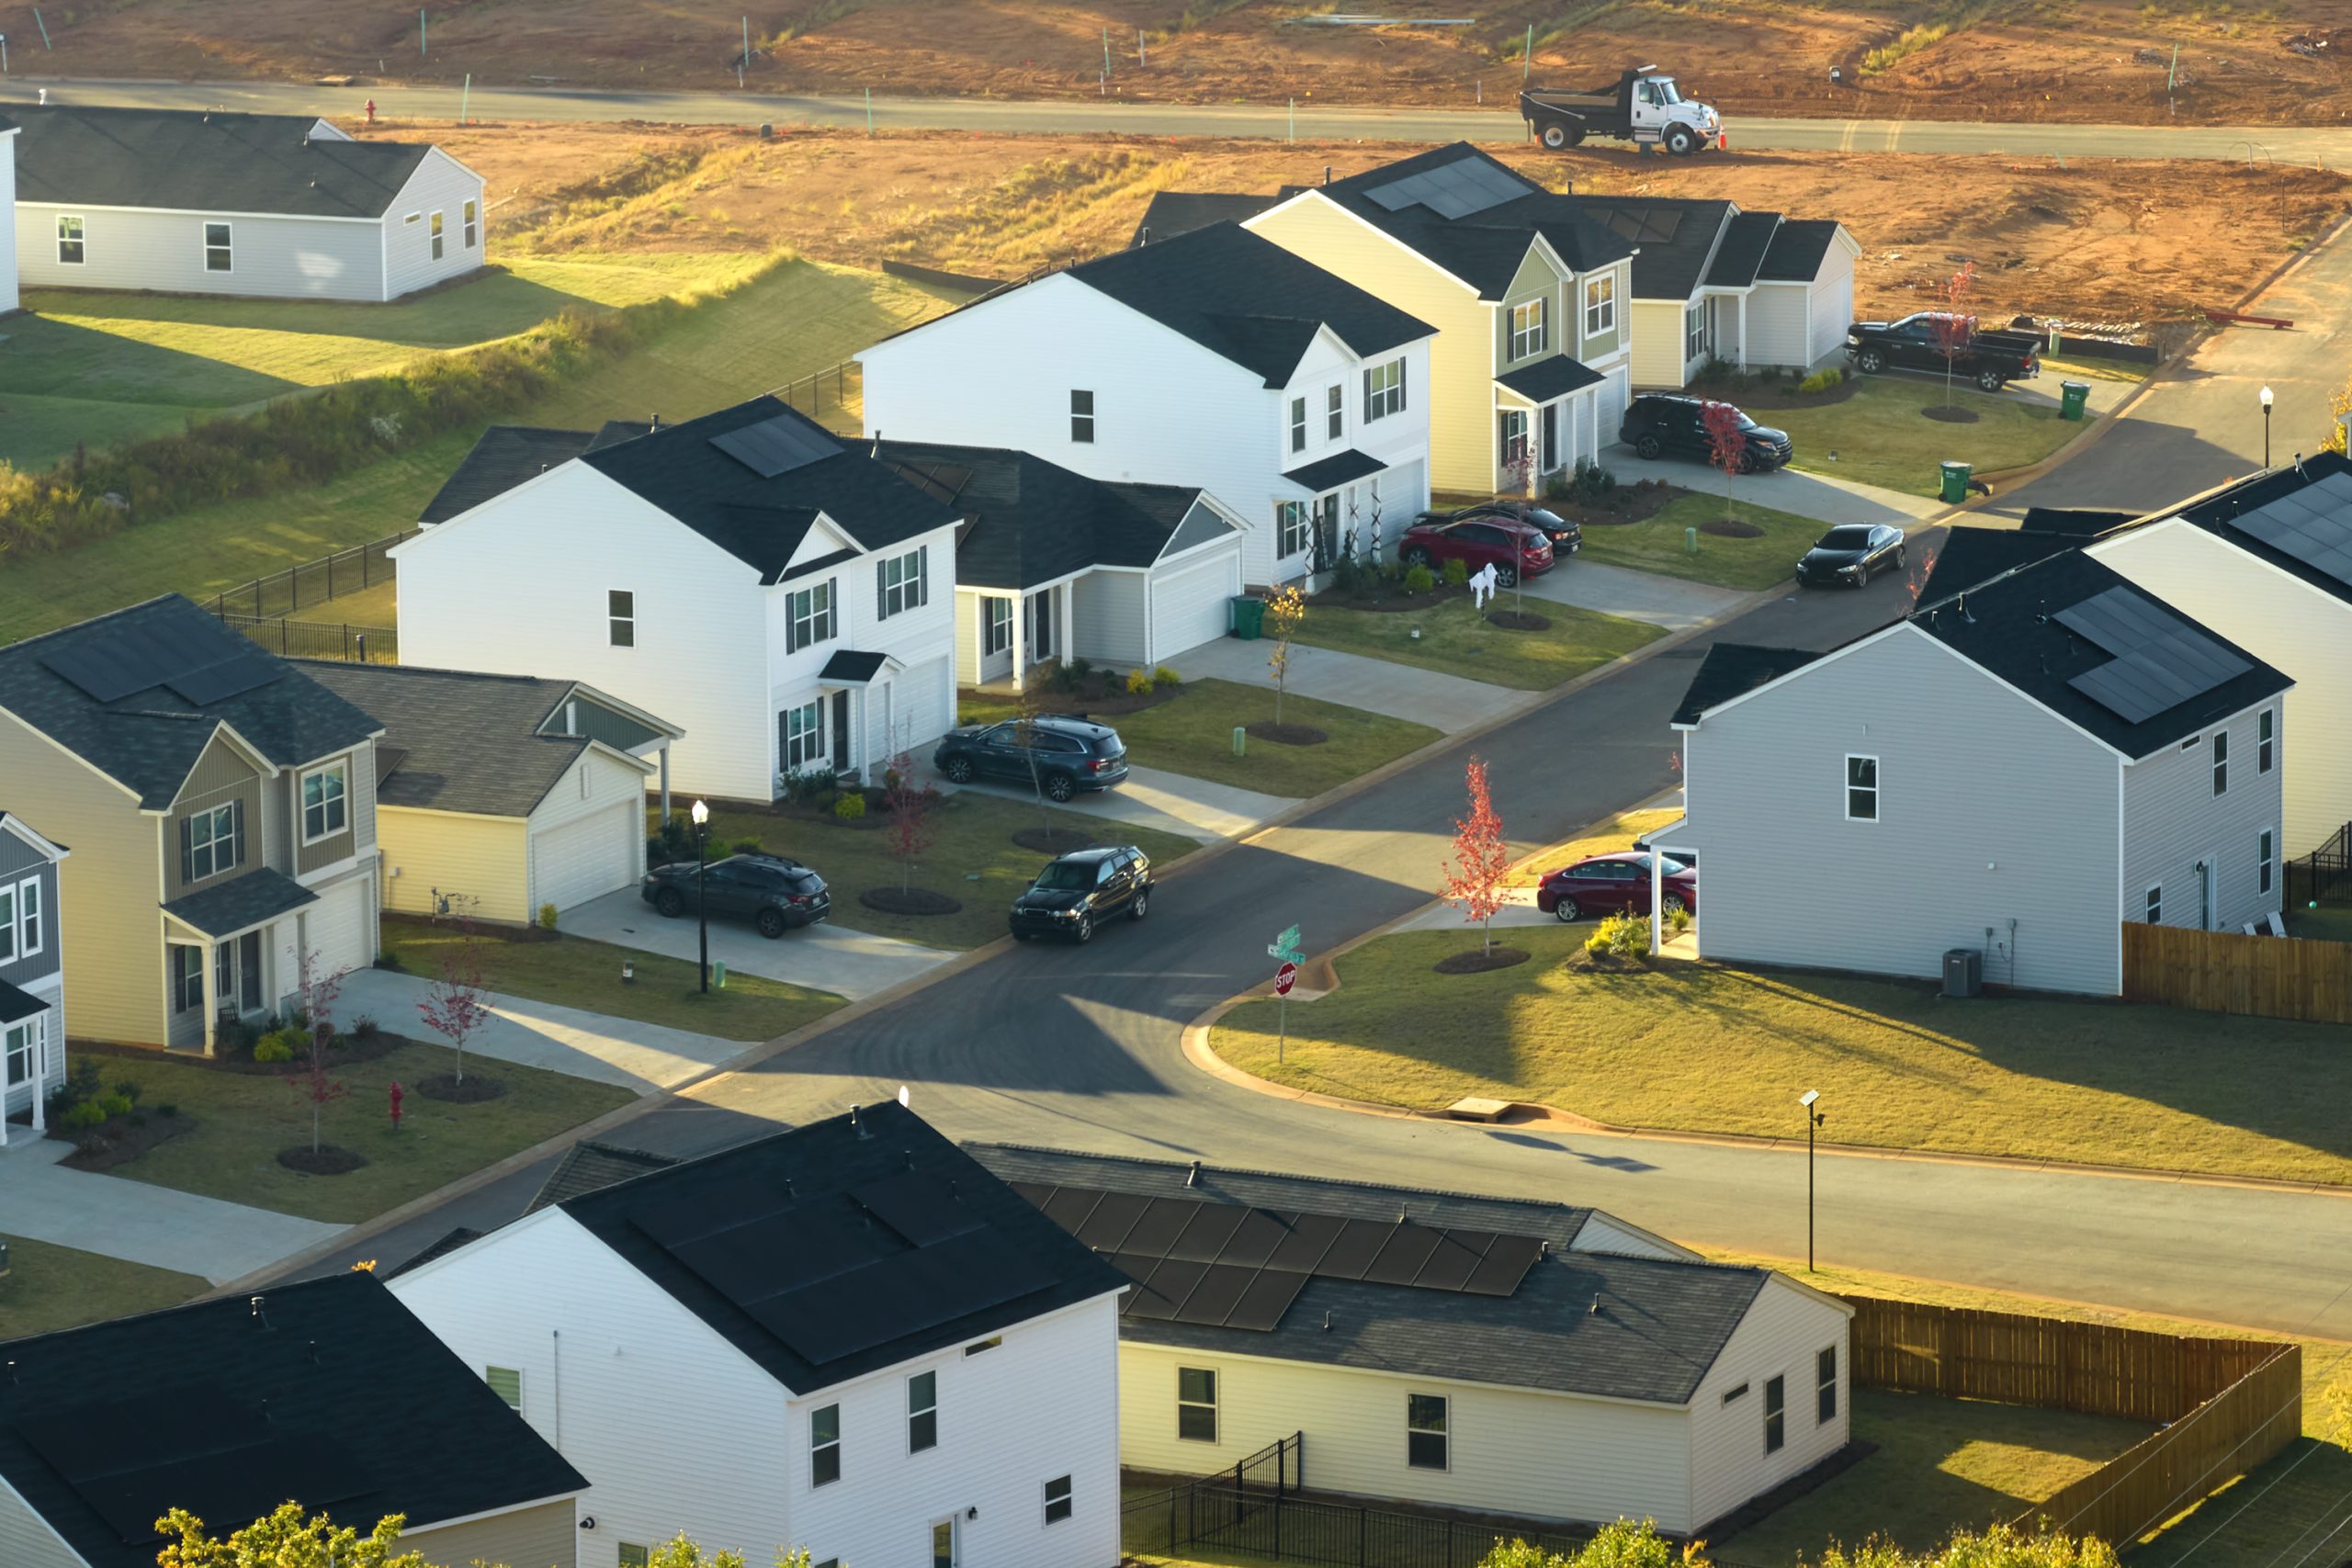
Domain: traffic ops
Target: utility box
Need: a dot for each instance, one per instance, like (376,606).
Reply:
(1963,972)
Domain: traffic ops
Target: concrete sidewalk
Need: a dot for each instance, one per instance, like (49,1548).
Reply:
(140,1223)
(1443,702)
(1668,601)
(1168,802)
(1787,489)
(852,965)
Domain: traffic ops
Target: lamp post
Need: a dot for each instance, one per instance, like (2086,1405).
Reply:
(2265,427)
(701,814)
(1813,1118)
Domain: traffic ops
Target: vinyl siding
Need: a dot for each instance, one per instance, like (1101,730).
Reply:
(544,1537)
(1784,1330)
(8,300)
(339,846)
(1788,880)
(26,1539)
(1537,279)
(440,183)
(430,855)
(19,861)
(51,1056)
(922,639)
(1189,601)
(1776,326)
(1108,607)
(1831,301)
(967,639)
(2173,820)
(277,258)
(605,799)
(1599,1233)
(1594,347)
(1658,340)
(220,775)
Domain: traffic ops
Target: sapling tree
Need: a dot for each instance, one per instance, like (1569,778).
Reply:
(1726,443)
(285,1539)
(911,826)
(457,1002)
(313,1078)
(1474,877)
(1285,612)
(1954,328)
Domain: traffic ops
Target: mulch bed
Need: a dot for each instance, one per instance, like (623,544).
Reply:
(1479,962)
(1055,841)
(1628,503)
(909,901)
(1756,398)
(325,1160)
(351,1048)
(120,1140)
(1731,528)
(488,931)
(1954,415)
(1091,695)
(1583,962)
(1287,734)
(450,1090)
(1389,598)
(1517,621)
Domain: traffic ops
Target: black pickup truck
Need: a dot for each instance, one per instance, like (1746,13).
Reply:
(1990,359)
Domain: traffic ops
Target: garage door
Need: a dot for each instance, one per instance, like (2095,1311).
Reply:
(335,927)
(1188,606)
(586,857)
(1612,404)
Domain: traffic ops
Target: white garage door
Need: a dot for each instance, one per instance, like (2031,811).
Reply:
(1612,404)
(335,927)
(1188,606)
(586,857)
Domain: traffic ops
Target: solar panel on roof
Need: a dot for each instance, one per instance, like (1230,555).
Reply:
(1268,1296)
(1407,1247)
(1451,190)
(1451,1263)
(2159,661)
(1112,1218)
(1218,1292)
(1068,1206)
(920,1206)
(2312,526)
(117,661)
(1208,1233)
(1142,1300)
(1253,1242)
(1161,1223)
(704,1209)
(886,1299)
(1504,1266)
(1172,1280)
(777,445)
(1359,1241)
(212,683)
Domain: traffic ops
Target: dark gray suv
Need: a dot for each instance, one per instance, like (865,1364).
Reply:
(1065,755)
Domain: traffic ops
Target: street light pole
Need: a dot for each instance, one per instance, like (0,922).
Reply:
(701,814)
(1813,1118)
(2265,427)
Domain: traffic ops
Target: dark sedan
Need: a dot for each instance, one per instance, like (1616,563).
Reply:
(1566,535)
(1852,554)
(1513,548)
(1080,891)
(775,892)
(1661,425)
(1615,883)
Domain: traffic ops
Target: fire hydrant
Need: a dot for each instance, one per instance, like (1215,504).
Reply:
(396,1093)
(372,111)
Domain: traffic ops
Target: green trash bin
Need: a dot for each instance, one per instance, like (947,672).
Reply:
(2074,397)
(1248,617)
(1955,484)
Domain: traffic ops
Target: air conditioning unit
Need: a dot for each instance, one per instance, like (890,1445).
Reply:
(1963,972)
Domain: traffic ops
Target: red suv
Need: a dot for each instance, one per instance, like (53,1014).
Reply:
(1511,548)
(1605,884)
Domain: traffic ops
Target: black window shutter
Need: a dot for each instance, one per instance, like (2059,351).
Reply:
(236,832)
(188,849)
(1400,385)
(881,590)
(923,574)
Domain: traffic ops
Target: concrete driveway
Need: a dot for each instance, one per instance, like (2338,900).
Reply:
(1668,601)
(827,957)
(1167,803)
(1443,702)
(1787,489)
(140,1223)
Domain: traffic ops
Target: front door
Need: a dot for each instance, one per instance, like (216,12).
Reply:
(249,973)
(1038,624)
(840,730)
(1551,438)
(943,1543)
(1327,529)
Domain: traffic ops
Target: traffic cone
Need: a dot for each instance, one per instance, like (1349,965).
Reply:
(1722,141)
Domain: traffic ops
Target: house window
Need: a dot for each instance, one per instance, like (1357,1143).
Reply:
(69,241)
(1058,1502)
(506,1383)
(1600,306)
(1383,391)
(436,233)
(211,842)
(1196,1404)
(990,1343)
(27,937)
(1082,416)
(1825,1374)
(1776,1414)
(1289,528)
(1731,1394)
(1527,329)
(188,978)
(808,617)
(472,216)
(1335,412)
(1861,789)
(217,256)
(1425,1431)
(1694,323)
(620,616)
(2263,859)
(2265,740)
(902,582)
(2222,761)
(804,735)
(633,1556)
(1299,424)
(413,218)
(825,1445)
(23,1051)
(923,1412)
(2156,905)
(323,810)
(996,625)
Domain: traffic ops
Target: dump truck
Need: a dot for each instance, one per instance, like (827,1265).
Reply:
(1643,105)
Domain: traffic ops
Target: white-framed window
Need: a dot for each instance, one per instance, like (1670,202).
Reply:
(1731,1394)
(824,1445)
(69,249)
(1527,333)
(620,617)
(471,216)
(2266,858)
(218,252)
(2152,906)
(633,1556)
(808,617)
(325,809)
(1299,424)
(1196,1404)
(1058,1500)
(2190,744)
(2220,762)
(1825,1384)
(902,582)
(923,1412)
(1081,415)
(186,966)
(1776,1414)
(2265,740)
(1861,789)
(1383,391)
(435,235)
(506,1383)
(1335,412)
(1601,305)
(212,842)
(996,625)
(1291,524)
(804,735)
(24,1055)
(1694,329)
(1425,1441)
(30,934)
(8,940)
(412,218)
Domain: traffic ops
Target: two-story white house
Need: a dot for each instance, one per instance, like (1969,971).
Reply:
(1216,361)
(32,973)
(849,1337)
(784,596)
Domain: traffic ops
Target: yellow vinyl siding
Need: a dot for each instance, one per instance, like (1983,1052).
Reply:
(544,1537)
(1657,344)
(480,858)
(221,775)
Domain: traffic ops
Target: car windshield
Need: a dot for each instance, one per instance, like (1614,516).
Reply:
(1666,91)
(1067,877)
(1853,538)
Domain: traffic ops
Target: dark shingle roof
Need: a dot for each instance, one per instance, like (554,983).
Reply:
(1734,669)
(821,1232)
(450,1241)
(1798,245)
(1971,555)
(241,903)
(204,161)
(149,739)
(2075,523)
(17,1006)
(1549,378)
(256,1410)
(2217,513)
(853,668)
(1485,248)
(1677,236)
(760,521)
(1329,473)
(1661,1327)
(591,1166)
(504,456)
(1174,212)
(1742,252)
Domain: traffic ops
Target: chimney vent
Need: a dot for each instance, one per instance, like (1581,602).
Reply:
(1192,1175)
(260,1318)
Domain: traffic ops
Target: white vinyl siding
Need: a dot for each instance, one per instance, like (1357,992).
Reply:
(275,257)
(8,205)
(1777,334)
(26,1539)
(1784,1335)
(587,837)
(1190,604)
(1830,301)
(2175,824)
(1109,610)
(440,188)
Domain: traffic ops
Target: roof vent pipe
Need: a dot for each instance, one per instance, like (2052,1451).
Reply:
(1327,1324)
(1596,1306)
(1143,235)
(1326,173)
(876,452)
(1192,1175)
(857,1122)
(655,423)
(261,1319)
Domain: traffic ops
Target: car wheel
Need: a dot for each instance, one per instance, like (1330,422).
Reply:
(668,903)
(1417,556)
(1085,929)
(1647,449)
(1681,140)
(1137,910)
(769,923)
(1559,138)
(1870,361)
(1060,786)
(1564,911)
(958,769)
(1988,380)
(1506,576)
(1673,906)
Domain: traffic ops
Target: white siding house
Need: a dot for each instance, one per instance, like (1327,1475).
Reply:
(8,139)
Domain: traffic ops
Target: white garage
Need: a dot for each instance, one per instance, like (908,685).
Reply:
(1804,298)
(1190,602)
(587,856)
(338,931)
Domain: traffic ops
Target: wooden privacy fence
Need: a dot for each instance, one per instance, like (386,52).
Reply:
(2265,976)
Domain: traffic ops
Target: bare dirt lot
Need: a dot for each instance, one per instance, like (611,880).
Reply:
(2119,241)
(2105,60)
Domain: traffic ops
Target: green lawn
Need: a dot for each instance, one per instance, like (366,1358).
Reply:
(1456,641)
(243,1120)
(577,973)
(1882,437)
(1660,544)
(972,858)
(2091,367)
(48,1288)
(1617,833)
(1705,1048)
(1192,733)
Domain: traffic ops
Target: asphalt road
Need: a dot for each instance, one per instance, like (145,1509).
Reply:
(2284,143)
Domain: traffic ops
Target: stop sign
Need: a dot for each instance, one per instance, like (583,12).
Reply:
(1284,979)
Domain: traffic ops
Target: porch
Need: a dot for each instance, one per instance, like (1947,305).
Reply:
(1004,636)
(1546,419)
(32,1052)
(232,954)
(847,726)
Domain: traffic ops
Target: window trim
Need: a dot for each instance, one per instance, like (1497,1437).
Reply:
(1600,304)
(1776,1413)
(1213,1405)
(1298,423)
(1852,788)
(1443,1431)
(1081,419)
(470,221)
(235,841)
(829,1448)
(643,1555)
(2266,860)
(79,240)
(436,234)
(996,625)
(990,1343)
(30,931)
(1825,1385)
(33,1034)
(1335,412)
(1529,329)
(620,617)
(186,979)
(1383,389)
(490,1376)
(812,734)
(2219,753)
(2151,904)
(805,623)
(922,1421)
(913,587)
(1694,329)
(1292,517)
(340,771)
(1731,1394)
(227,247)
(1066,1501)
(2265,740)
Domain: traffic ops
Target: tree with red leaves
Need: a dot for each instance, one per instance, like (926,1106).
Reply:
(458,1002)
(1954,328)
(1726,443)
(1474,880)
(911,827)
(312,1079)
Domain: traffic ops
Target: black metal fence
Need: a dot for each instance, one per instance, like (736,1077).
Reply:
(833,397)
(312,582)
(318,640)
(2314,877)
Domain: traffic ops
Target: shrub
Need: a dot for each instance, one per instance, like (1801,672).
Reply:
(1619,936)
(277,1046)
(128,1090)
(1066,676)
(1419,580)
(167,1108)
(1166,676)
(1678,920)
(82,1117)
(741,846)
(811,786)
(848,807)
(1456,572)
(1138,684)
(114,1104)
(235,1036)
(364,1027)
(1821,380)
(546,917)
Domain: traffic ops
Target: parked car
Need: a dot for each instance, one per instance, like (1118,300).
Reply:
(776,893)
(1077,893)
(1514,549)
(1615,883)
(1990,359)
(1567,536)
(1659,425)
(1850,554)
(1070,754)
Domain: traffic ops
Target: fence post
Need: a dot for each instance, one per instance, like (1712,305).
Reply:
(363,648)
(1364,1524)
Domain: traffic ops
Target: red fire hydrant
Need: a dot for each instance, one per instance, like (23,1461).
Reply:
(371,119)
(396,1104)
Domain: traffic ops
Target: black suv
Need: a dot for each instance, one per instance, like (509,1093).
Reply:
(1565,534)
(1082,889)
(1660,424)
(776,893)
(1072,754)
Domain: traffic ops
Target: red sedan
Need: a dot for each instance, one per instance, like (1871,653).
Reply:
(1606,884)
(1510,546)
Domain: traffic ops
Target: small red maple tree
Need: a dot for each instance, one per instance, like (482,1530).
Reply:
(1726,443)
(1474,879)
(311,1079)
(911,827)
(458,1002)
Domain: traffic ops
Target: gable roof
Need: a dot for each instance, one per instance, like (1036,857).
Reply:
(843,1245)
(147,739)
(2312,497)
(1173,212)
(204,161)
(504,456)
(227,1410)
(1733,670)
(1677,236)
(1485,248)
(1970,555)
(1746,240)
(1798,245)
(1661,1327)
(591,1166)
(32,838)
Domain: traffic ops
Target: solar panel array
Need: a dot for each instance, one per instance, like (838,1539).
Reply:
(2159,661)
(1230,1265)
(118,661)
(777,445)
(2313,526)
(1644,225)
(1453,190)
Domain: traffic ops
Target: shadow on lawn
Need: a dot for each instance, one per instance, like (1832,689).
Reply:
(47,357)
